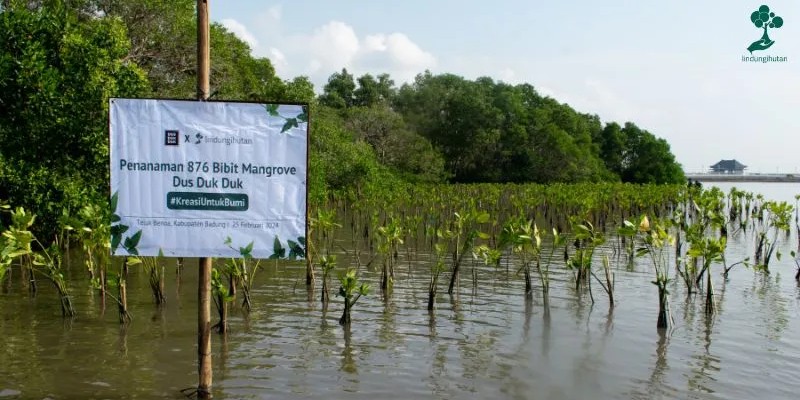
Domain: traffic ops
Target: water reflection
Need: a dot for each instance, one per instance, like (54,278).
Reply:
(526,327)
(706,364)
(122,344)
(348,364)
(767,292)
(487,344)
(660,366)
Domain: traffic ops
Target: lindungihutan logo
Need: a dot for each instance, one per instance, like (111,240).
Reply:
(764,19)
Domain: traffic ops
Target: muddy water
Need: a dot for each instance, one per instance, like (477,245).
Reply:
(487,342)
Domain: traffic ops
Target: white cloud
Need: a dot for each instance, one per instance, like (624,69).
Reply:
(395,54)
(278,60)
(333,45)
(330,47)
(507,75)
(402,50)
(238,29)
(375,43)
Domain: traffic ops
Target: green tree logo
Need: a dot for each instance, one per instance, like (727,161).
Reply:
(763,18)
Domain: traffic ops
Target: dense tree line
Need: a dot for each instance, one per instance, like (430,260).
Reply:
(60,61)
(487,131)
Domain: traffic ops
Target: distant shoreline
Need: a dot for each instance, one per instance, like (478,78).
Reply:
(744,177)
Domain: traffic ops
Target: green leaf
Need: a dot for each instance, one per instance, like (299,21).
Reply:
(272,109)
(303,117)
(118,229)
(17,253)
(295,250)
(135,238)
(114,201)
(278,251)
(115,218)
(115,239)
(290,123)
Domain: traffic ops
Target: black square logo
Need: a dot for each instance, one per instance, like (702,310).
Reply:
(171,138)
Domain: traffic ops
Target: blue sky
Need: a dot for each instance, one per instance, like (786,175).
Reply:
(673,67)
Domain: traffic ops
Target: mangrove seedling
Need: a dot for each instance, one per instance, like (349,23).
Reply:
(587,240)
(327,263)
(526,244)
(324,223)
(436,269)
(780,213)
(627,235)
(120,283)
(95,235)
(351,290)
(711,250)
(19,241)
(243,271)
(465,233)
(221,296)
(154,268)
(656,239)
(389,238)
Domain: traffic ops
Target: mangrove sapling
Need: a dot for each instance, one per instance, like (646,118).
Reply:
(120,282)
(711,250)
(465,234)
(324,223)
(154,268)
(745,262)
(245,268)
(526,243)
(437,267)
(689,273)
(389,238)
(511,235)
(351,290)
(587,239)
(327,263)
(221,296)
(779,217)
(627,233)
(490,257)
(19,241)
(608,286)
(67,224)
(656,238)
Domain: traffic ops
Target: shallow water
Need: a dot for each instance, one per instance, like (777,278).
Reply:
(487,342)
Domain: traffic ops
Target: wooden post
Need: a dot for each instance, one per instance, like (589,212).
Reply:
(204,276)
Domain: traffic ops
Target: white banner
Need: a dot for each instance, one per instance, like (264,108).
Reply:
(186,176)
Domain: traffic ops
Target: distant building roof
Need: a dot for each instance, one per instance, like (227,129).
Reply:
(728,165)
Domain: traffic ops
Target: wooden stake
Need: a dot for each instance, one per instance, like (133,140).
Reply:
(204,277)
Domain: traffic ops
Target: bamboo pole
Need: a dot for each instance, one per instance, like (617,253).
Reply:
(204,278)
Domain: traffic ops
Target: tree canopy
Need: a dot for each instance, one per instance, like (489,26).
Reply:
(60,61)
